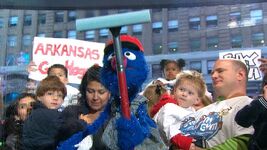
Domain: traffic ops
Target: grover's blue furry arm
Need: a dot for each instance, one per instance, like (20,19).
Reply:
(70,143)
(133,132)
(70,122)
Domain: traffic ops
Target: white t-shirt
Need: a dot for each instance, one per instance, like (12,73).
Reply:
(71,97)
(215,122)
(170,115)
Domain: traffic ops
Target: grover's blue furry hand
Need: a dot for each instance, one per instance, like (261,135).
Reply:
(70,143)
(144,119)
(130,133)
(133,132)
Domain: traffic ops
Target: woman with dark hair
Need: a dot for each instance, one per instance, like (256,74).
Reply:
(92,101)
(16,113)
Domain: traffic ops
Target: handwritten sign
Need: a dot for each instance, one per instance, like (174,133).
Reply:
(76,55)
(249,57)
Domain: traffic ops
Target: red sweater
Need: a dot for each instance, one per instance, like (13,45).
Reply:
(165,98)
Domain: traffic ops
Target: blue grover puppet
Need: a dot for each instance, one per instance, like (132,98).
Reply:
(140,131)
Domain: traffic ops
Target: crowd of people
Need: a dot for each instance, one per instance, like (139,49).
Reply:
(172,112)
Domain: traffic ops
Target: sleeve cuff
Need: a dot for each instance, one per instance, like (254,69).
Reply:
(181,141)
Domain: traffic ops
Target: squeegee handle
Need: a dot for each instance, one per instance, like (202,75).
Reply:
(125,107)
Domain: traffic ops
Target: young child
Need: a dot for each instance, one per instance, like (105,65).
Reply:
(189,90)
(41,127)
(153,94)
(16,113)
(61,72)
(255,114)
(170,69)
(31,86)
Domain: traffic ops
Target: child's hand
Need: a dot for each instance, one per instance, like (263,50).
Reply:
(193,146)
(158,82)
(86,118)
(31,67)
(198,148)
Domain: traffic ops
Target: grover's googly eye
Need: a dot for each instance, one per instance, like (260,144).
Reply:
(130,55)
(110,56)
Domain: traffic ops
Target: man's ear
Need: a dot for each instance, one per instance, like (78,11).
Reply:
(241,74)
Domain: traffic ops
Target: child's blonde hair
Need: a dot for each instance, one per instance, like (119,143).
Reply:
(195,78)
(153,93)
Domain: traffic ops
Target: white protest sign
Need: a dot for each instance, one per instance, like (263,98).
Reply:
(249,57)
(76,55)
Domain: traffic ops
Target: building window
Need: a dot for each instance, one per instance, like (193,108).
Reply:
(89,13)
(258,39)
(195,44)
(72,34)
(124,30)
(27,40)
(194,23)
(27,20)
(196,65)
(212,43)
(210,64)
(41,19)
(157,27)
(58,34)
(173,47)
(156,71)
(23,58)
(13,21)
(72,15)
(59,16)
(235,16)
(1,23)
(236,41)
(211,21)
(103,12)
(256,16)
(103,32)
(173,25)
(157,48)
(137,29)
(123,10)
(89,35)
(12,40)
(10,59)
(41,34)
(234,20)
(154,10)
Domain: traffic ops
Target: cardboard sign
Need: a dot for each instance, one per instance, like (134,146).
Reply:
(76,55)
(249,57)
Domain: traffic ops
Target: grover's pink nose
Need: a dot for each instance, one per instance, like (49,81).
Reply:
(113,62)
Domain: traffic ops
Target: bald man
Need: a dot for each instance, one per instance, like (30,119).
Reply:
(214,126)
